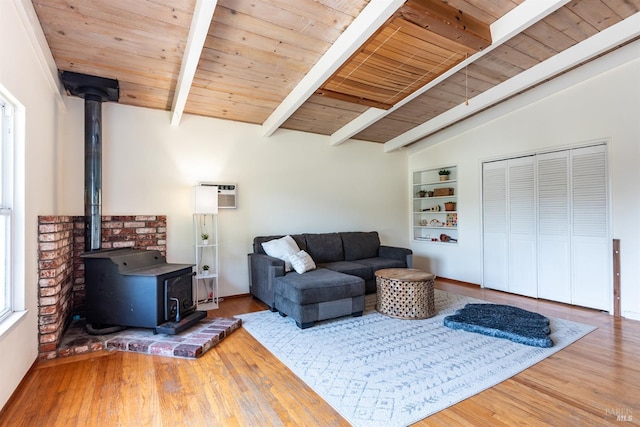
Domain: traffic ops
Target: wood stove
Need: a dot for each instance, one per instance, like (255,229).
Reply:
(138,288)
(124,287)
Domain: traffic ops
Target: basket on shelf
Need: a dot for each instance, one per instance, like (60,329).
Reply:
(450,206)
(447,191)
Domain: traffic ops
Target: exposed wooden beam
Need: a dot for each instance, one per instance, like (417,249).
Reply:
(608,39)
(202,16)
(365,25)
(592,69)
(514,22)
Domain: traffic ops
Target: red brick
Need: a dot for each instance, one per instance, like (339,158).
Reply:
(48,228)
(145,230)
(48,264)
(48,338)
(81,349)
(48,301)
(47,282)
(118,224)
(135,224)
(65,352)
(52,328)
(124,244)
(46,219)
(47,255)
(146,217)
(96,346)
(48,246)
(47,310)
(49,291)
(47,274)
(47,347)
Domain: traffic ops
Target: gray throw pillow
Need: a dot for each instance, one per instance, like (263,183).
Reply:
(360,245)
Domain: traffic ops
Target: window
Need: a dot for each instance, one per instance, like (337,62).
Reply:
(6,203)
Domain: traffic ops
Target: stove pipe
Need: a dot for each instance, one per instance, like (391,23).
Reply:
(92,172)
(94,91)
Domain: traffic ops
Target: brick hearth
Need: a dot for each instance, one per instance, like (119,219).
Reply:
(61,295)
(191,343)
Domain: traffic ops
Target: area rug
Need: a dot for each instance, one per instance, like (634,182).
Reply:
(502,321)
(381,371)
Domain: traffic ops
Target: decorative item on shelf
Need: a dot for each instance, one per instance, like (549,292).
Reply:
(423,222)
(445,191)
(205,270)
(435,223)
(452,220)
(446,238)
(444,174)
(422,193)
(205,238)
(429,193)
(435,208)
(450,206)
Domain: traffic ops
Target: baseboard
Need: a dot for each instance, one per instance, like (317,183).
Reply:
(631,315)
(235,296)
(21,384)
(457,282)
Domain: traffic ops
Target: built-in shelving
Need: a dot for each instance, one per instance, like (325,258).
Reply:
(435,206)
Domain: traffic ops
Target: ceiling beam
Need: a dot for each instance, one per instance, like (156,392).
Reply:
(598,66)
(600,43)
(502,30)
(363,26)
(200,23)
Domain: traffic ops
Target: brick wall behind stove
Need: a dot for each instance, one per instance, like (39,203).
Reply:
(61,269)
(55,284)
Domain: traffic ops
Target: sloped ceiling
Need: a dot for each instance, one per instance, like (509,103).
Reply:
(385,71)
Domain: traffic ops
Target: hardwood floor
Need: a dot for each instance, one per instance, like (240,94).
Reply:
(595,381)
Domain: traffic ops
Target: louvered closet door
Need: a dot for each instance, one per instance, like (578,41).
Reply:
(522,227)
(495,232)
(554,249)
(589,231)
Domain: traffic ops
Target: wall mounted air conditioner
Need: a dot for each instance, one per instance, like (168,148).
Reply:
(227,194)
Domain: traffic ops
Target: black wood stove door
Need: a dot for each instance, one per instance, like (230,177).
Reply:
(178,297)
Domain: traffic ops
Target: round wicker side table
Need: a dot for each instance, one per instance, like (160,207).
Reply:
(405,293)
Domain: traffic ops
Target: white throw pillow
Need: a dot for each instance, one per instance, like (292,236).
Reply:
(282,248)
(302,262)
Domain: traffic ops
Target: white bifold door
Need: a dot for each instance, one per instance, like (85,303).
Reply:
(545,226)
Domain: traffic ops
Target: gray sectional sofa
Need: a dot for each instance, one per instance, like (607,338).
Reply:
(345,266)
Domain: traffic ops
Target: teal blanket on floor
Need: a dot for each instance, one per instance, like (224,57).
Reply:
(503,321)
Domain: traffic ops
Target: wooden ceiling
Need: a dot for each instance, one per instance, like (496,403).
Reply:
(385,71)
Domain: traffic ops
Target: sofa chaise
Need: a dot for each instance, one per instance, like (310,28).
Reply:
(340,272)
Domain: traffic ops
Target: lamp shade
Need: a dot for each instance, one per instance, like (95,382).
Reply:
(206,199)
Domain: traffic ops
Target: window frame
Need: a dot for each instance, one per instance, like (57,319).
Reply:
(15,127)
(6,203)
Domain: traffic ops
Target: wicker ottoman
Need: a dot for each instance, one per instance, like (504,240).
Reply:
(405,293)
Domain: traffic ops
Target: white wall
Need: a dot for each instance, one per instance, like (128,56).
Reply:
(23,76)
(292,182)
(605,107)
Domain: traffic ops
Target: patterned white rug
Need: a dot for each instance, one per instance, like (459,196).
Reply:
(380,371)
